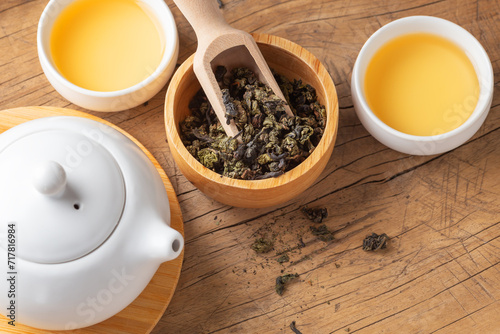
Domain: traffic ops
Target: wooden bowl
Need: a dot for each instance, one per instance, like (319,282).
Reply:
(290,60)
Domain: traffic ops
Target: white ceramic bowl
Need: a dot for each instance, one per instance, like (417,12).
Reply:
(116,100)
(423,145)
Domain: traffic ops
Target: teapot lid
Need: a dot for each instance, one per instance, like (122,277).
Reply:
(62,190)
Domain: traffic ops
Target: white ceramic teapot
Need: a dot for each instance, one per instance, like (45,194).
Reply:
(84,222)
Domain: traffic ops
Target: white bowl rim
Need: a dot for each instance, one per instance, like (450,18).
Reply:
(479,110)
(171,38)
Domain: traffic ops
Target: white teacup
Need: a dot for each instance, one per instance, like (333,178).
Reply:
(116,100)
(423,145)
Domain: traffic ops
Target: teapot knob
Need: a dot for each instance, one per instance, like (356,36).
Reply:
(49,178)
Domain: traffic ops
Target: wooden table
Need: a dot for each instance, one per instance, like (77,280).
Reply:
(440,272)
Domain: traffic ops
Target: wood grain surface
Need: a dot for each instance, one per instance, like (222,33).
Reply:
(440,272)
(144,312)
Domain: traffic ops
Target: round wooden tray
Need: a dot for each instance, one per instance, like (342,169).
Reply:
(143,314)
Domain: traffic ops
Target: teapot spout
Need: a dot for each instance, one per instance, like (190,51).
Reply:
(168,243)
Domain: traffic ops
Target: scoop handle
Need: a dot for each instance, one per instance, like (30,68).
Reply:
(205,17)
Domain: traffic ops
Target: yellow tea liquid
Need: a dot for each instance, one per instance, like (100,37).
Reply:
(106,45)
(421,84)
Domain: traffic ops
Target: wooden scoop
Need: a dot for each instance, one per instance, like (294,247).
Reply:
(221,44)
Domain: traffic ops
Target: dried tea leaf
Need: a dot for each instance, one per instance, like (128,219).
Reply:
(220,71)
(374,242)
(316,215)
(281,281)
(283,258)
(322,232)
(262,245)
(208,157)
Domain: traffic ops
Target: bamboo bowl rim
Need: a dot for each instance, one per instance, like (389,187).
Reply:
(328,138)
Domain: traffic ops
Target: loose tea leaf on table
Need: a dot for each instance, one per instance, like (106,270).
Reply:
(283,258)
(322,232)
(262,245)
(281,281)
(272,143)
(316,215)
(374,242)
